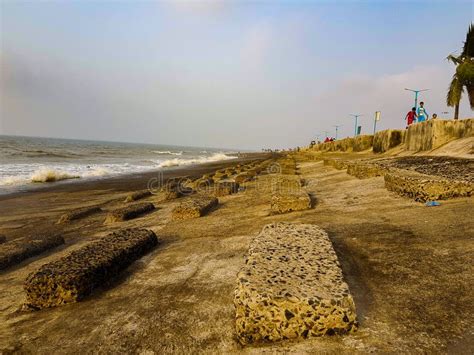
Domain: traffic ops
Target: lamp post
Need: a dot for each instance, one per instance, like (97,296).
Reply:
(377,118)
(416,95)
(355,127)
(337,128)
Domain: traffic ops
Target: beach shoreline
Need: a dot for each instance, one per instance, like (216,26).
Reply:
(128,181)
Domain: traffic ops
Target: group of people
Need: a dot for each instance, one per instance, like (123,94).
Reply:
(419,115)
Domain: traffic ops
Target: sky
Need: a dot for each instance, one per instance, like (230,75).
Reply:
(230,74)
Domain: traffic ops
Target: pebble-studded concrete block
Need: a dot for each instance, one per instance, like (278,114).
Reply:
(242,177)
(292,286)
(364,170)
(203,184)
(251,173)
(177,193)
(421,187)
(283,202)
(73,277)
(195,206)
(15,251)
(279,182)
(226,188)
(174,189)
(79,213)
(339,164)
(287,166)
(129,212)
(230,171)
(221,174)
(287,182)
(177,184)
(138,195)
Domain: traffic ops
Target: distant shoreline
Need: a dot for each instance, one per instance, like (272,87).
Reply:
(83,140)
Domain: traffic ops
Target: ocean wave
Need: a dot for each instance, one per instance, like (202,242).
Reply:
(12,180)
(97,172)
(178,162)
(167,152)
(39,154)
(51,175)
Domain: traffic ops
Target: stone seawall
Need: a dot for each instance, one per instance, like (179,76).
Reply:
(356,144)
(424,136)
(434,133)
(387,139)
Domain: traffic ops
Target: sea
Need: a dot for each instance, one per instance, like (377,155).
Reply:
(29,162)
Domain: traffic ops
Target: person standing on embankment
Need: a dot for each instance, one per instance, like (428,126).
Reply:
(422,113)
(411,116)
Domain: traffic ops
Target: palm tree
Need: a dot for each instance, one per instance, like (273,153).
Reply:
(464,75)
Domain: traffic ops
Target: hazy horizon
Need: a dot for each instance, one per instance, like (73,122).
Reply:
(234,75)
(121,142)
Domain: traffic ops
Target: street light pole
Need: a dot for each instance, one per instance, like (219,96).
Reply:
(416,95)
(355,128)
(337,128)
(377,118)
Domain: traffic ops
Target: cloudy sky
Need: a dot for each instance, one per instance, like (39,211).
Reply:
(243,74)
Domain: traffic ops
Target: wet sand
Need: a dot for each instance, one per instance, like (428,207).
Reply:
(409,269)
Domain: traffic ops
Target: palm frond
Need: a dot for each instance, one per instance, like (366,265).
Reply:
(468,49)
(470,94)
(454,92)
(465,72)
(454,59)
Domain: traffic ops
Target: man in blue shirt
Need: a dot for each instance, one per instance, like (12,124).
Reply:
(422,113)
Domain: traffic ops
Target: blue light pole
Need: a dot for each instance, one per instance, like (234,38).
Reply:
(416,95)
(355,127)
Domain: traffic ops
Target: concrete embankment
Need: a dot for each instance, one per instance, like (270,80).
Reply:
(420,137)
(387,139)
(428,161)
(433,134)
(356,144)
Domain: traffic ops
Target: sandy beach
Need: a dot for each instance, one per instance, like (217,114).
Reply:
(408,268)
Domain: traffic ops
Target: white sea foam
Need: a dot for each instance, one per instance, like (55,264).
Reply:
(51,175)
(178,162)
(12,180)
(97,172)
(167,152)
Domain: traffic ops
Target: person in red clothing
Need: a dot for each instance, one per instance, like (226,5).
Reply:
(411,116)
